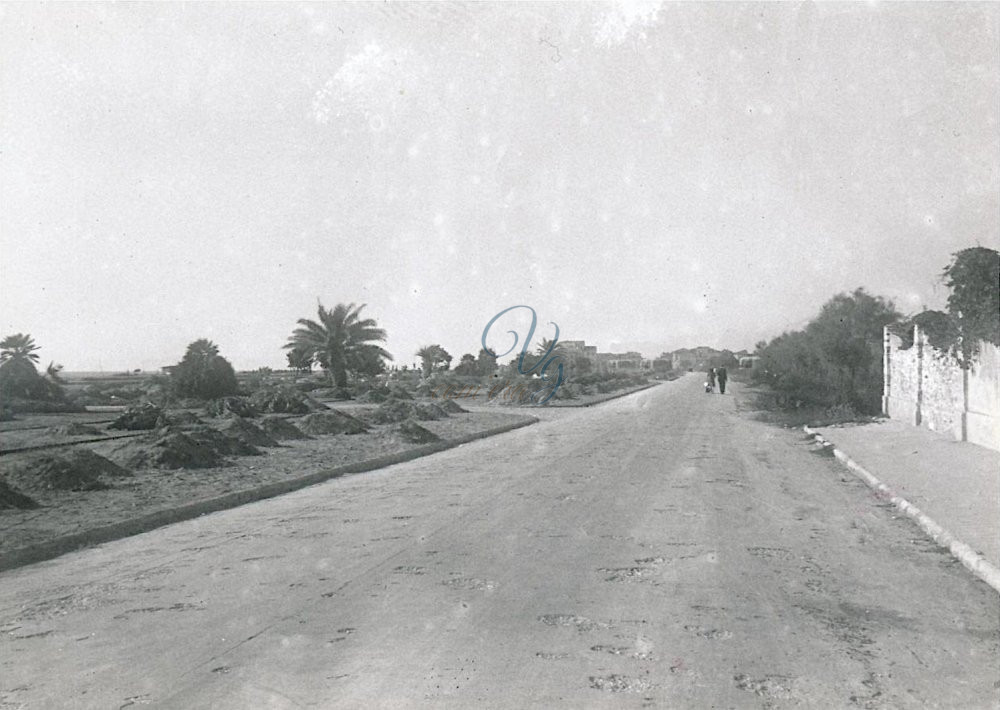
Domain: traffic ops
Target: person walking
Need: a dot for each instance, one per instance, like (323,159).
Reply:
(722,375)
(711,378)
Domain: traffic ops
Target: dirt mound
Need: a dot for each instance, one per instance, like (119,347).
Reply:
(331,422)
(74,470)
(410,431)
(171,450)
(399,392)
(74,429)
(138,417)
(248,433)
(240,406)
(393,411)
(177,419)
(282,429)
(285,400)
(196,446)
(452,407)
(373,396)
(429,411)
(9,498)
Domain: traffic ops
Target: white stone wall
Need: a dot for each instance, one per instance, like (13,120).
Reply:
(928,388)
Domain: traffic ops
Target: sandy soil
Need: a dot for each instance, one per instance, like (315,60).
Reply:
(67,512)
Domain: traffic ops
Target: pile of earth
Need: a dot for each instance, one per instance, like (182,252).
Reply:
(285,400)
(247,432)
(374,396)
(138,417)
(223,406)
(11,499)
(74,470)
(394,411)
(331,422)
(180,418)
(74,429)
(412,432)
(281,429)
(196,446)
(452,407)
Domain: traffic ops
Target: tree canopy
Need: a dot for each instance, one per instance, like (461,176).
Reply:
(340,340)
(203,372)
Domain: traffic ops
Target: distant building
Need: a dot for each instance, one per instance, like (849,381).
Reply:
(693,358)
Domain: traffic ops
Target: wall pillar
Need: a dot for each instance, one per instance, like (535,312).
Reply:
(886,370)
(918,343)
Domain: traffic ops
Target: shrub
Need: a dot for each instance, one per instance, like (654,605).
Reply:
(203,373)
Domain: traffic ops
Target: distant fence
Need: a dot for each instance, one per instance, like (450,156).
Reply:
(928,388)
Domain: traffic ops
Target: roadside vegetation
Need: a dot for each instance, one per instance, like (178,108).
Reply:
(831,371)
(22,387)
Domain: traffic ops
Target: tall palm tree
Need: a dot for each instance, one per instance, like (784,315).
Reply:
(18,347)
(338,339)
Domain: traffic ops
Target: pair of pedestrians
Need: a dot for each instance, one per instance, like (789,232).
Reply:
(720,374)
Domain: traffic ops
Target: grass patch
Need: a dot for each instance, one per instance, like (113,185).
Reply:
(761,404)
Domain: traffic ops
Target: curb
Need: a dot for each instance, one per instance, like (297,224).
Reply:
(614,395)
(608,399)
(972,560)
(126,528)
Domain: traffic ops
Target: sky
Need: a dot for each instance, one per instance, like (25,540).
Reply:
(646,176)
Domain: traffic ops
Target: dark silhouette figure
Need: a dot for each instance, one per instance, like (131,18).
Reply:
(720,372)
(711,377)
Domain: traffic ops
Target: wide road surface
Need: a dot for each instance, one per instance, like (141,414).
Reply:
(655,551)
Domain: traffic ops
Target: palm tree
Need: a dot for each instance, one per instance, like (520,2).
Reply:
(18,347)
(299,360)
(430,356)
(339,339)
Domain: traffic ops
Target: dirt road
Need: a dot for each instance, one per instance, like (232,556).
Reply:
(655,551)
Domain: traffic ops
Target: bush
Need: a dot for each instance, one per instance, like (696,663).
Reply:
(836,360)
(203,373)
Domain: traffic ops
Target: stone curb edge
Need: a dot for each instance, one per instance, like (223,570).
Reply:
(126,528)
(615,395)
(608,399)
(972,560)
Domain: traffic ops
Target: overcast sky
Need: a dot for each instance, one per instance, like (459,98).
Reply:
(644,175)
